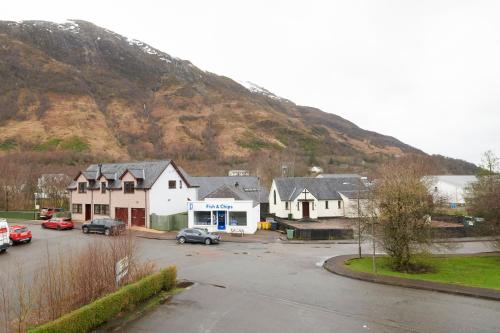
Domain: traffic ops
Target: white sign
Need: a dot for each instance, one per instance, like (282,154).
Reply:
(121,269)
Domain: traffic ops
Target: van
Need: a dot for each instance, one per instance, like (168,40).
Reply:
(4,235)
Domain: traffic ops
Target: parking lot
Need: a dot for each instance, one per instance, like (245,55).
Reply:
(275,287)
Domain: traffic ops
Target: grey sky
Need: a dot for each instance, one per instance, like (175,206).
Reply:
(426,72)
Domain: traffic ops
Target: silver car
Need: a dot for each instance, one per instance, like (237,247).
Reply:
(197,236)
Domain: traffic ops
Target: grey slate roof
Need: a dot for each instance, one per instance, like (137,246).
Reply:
(146,173)
(248,185)
(322,188)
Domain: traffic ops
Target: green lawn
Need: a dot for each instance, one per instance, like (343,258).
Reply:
(17,215)
(474,271)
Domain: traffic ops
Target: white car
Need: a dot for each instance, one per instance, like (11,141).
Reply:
(4,235)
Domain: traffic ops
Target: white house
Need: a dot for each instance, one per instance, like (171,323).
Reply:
(452,187)
(130,192)
(226,204)
(313,198)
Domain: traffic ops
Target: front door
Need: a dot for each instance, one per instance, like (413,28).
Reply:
(121,214)
(88,210)
(221,220)
(305,209)
(138,217)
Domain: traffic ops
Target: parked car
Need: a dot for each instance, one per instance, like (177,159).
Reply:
(197,236)
(470,221)
(19,234)
(4,235)
(47,212)
(104,226)
(59,223)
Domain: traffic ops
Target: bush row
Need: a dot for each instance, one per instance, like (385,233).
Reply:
(98,312)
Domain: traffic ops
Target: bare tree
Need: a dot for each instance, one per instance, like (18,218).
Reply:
(483,196)
(404,206)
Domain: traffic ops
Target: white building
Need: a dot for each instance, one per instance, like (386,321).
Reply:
(130,192)
(226,204)
(452,187)
(313,198)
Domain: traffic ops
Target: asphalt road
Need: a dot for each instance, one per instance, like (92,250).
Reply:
(279,288)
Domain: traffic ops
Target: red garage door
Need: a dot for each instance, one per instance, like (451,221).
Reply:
(139,217)
(121,214)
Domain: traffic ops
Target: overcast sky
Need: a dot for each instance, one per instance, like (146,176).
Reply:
(425,72)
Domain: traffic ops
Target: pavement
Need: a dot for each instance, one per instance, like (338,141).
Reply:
(337,265)
(278,287)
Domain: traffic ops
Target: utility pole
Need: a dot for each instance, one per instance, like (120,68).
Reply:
(359,219)
(374,267)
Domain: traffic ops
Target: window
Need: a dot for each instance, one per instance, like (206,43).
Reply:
(76,208)
(286,205)
(101,209)
(274,196)
(312,204)
(128,187)
(202,218)
(238,218)
(180,183)
(298,206)
(339,203)
(326,204)
(171,184)
(103,187)
(82,187)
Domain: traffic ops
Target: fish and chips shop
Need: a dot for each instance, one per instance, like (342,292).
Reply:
(224,215)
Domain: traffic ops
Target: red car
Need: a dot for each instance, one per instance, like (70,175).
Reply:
(47,213)
(59,223)
(19,234)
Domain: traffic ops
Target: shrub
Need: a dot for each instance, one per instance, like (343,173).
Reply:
(96,313)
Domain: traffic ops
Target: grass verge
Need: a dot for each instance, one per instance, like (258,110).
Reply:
(473,271)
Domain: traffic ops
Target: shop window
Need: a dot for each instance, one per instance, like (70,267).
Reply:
(128,187)
(326,204)
(202,218)
(76,208)
(238,218)
(171,184)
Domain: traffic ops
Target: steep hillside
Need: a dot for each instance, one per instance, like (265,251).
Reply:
(80,88)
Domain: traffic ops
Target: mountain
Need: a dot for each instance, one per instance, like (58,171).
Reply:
(77,88)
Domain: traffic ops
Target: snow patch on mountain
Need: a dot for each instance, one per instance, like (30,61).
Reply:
(256,89)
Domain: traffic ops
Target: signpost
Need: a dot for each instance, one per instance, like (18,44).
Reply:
(121,269)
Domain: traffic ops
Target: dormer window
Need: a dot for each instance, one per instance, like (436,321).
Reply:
(103,187)
(128,187)
(82,187)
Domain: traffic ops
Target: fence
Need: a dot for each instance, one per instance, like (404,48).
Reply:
(316,234)
(169,222)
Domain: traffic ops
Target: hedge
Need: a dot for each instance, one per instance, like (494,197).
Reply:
(98,312)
